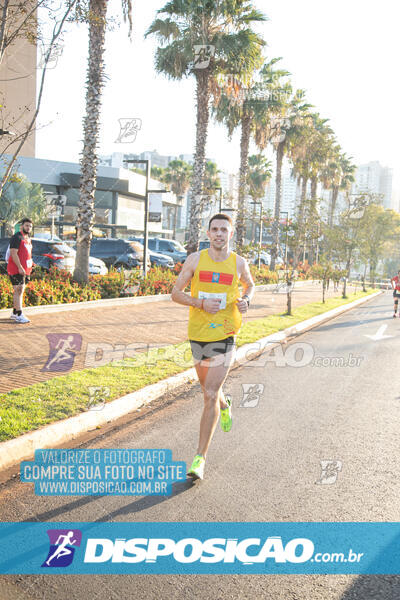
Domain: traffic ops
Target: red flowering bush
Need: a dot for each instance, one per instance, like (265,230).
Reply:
(263,275)
(158,281)
(177,268)
(6,292)
(108,286)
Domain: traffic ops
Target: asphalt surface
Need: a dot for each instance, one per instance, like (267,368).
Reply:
(265,469)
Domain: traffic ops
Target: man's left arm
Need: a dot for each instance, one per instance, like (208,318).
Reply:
(246,279)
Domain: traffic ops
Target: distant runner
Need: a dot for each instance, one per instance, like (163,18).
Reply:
(395,281)
(215,318)
(19,267)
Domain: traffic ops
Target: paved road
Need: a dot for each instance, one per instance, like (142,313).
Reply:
(265,469)
(24,349)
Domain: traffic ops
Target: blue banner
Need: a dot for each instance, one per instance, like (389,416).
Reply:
(208,548)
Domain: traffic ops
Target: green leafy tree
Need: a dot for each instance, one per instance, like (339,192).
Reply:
(19,199)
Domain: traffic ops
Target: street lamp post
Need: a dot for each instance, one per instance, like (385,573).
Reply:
(146,162)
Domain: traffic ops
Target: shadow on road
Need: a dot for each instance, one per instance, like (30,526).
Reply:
(379,587)
(353,323)
(374,587)
(142,503)
(147,501)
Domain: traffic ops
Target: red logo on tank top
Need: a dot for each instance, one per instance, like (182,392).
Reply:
(212,277)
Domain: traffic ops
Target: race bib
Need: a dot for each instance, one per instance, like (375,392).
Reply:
(29,263)
(207,295)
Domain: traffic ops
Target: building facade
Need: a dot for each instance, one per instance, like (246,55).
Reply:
(372,177)
(119,199)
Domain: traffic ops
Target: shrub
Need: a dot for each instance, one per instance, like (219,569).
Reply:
(263,275)
(6,292)
(110,285)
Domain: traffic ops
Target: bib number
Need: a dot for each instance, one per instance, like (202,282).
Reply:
(29,263)
(208,295)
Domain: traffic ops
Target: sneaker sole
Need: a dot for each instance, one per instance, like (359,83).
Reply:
(194,476)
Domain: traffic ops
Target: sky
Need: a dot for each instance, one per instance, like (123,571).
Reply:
(343,53)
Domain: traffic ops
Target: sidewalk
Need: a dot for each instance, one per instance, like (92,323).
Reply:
(24,349)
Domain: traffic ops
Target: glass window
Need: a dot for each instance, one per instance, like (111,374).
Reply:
(164,245)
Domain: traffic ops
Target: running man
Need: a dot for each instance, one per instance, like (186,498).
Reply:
(19,267)
(395,281)
(62,549)
(65,348)
(215,318)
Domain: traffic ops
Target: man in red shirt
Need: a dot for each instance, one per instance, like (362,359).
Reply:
(396,292)
(19,267)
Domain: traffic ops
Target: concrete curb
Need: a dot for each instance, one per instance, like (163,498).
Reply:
(133,300)
(22,448)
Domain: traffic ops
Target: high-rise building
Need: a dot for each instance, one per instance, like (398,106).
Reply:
(372,177)
(288,192)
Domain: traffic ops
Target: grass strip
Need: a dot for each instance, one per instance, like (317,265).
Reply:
(28,408)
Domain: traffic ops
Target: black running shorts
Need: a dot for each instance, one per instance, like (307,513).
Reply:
(203,350)
(19,279)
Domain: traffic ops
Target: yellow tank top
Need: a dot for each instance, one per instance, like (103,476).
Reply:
(220,280)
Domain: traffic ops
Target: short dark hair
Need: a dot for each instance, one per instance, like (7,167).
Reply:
(26,220)
(220,216)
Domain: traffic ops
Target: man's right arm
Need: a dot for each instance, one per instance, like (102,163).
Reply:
(184,277)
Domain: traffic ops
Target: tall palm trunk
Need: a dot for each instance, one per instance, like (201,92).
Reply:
(244,164)
(313,207)
(301,220)
(278,199)
(313,215)
(196,193)
(335,193)
(91,126)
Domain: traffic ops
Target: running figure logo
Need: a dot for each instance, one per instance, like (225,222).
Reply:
(251,394)
(63,349)
(62,542)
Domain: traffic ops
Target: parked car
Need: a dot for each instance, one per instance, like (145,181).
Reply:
(170,248)
(3,249)
(156,259)
(96,266)
(118,253)
(265,258)
(204,244)
(45,254)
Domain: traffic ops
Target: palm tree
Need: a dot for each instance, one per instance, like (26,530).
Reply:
(178,175)
(259,174)
(282,128)
(338,176)
(96,16)
(246,102)
(203,39)
(309,154)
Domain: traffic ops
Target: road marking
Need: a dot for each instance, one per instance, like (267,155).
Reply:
(379,335)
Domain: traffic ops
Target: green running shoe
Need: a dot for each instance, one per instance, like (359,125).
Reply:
(196,471)
(226,415)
